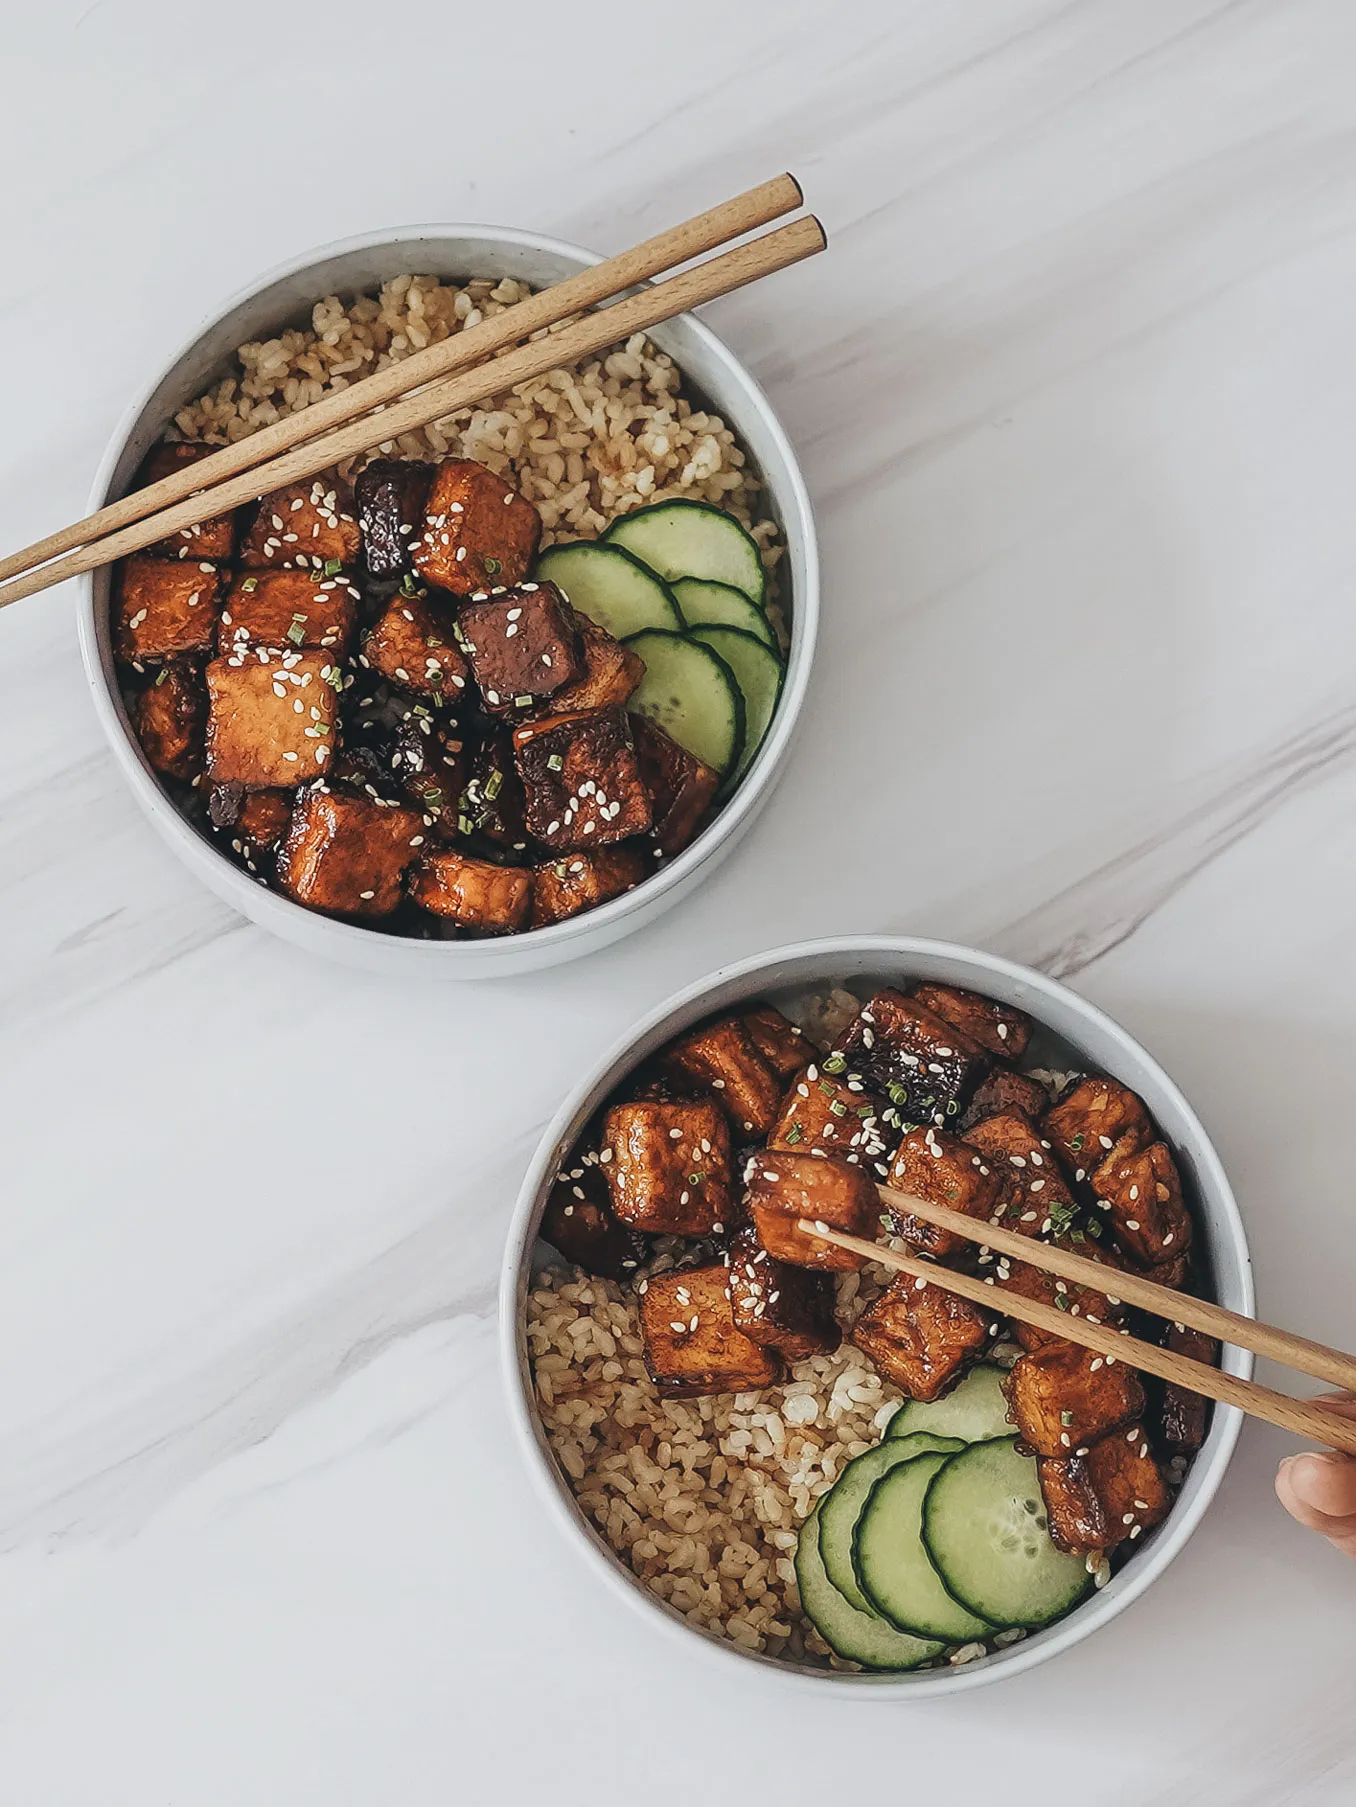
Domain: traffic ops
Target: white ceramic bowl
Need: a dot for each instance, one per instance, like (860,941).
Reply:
(357,265)
(1098,1041)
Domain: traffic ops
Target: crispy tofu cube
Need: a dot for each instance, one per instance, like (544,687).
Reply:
(1091,1117)
(724,1056)
(778,1040)
(1172,1274)
(682,786)
(1002,1090)
(1004,1031)
(1063,1295)
(413,645)
(922,1337)
(668,1166)
(263,819)
(1142,1197)
(166,607)
(346,854)
(288,609)
(169,719)
(309,523)
(941,1170)
(924,1065)
(1037,1200)
(1074,1516)
(1063,1398)
(390,495)
(580,1222)
(690,1340)
(780,1306)
(271,718)
(493,803)
(581,881)
(475,894)
(433,773)
(211,539)
(522,646)
(1128,1483)
(478,531)
(783,1188)
(582,780)
(610,672)
(822,1115)
(1184,1416)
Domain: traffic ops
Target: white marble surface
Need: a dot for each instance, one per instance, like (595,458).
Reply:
(1074,390)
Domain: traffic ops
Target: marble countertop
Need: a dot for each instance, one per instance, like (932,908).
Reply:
(1074,390)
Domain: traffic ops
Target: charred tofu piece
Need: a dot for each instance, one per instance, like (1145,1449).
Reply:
(1091,1117)
(582,780)
(522,646)
(941,1170)
(1142,1197)
(1003,1090)
(390,496)
(610,673)
(682,786)
(924,1065)
(1172,1274)
(691,1342)
(475,894)
(724,1056)
(580,1222)
(824,1116)
(477,531)
(211,539)
(1183,1416)
(310,524)
(263,819)
(169,719)
(493,804)
(1003,1031)
(1037,1200)
(1063,1398)
(921,1336)
(166,607)
(780,1306)
(668,1166)
(271,718)
(581,881)
(288,609)
(1128,1483)
(1062,1295)
(1074,1516)
(346,854)
(433,773)
(778,1040)
(413,645)
(783,1188)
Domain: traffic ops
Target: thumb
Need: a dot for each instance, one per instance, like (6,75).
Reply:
(1320,1492)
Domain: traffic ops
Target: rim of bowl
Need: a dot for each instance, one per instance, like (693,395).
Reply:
(271,909)
(1207,1470)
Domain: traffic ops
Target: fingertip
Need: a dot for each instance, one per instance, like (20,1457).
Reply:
(1324,1483)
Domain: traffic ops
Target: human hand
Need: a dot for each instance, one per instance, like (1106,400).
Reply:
(1319,1488)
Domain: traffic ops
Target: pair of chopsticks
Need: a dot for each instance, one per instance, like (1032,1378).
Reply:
(1305,1419)
(458,372)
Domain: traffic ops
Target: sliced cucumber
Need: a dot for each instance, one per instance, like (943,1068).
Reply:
(860,1637)
(692,539)
(842,1505)
(986,1529)
(894,1569)
(974,1410)
(692,694)
(706,604)
(610,587)
(758,673)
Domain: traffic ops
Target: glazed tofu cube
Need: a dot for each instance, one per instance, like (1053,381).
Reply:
(580,1222)
(288,609)
(1074,1516)
(1142,1197)
(1003,1031)
(346,854)
(582,780)
(1002,1090)
(211,539)
(681,785)
(433,773)
(521,645)
(1037,1200)
(166,607)
(170,720)
(263,819)
(782,1307)
(822,1115)
(1172,1274)
(390,495)
(690,1339)
(922,1337)
(778,1040)
(1090,1118)
(610,672)
(1063,1295)
(1062,1399)
(310,524)
(1128,1483)
(581,881)
(477,532)
(493,804)
(270,718)
(668,1166)
(924,1065)
(724,1056)
(1184,1416)
(783,1188)
(474,894)
(941,1170)
(413,644)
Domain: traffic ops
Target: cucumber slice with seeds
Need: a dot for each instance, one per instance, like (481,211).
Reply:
(707,604)
(894,1568)
(841,1507)
(974,1410)
(758,673)
(610,587)
(692,539)
(860,1637)
(692,694)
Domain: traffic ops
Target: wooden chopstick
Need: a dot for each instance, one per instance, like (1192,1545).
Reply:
(693,238)
(1297,1415)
